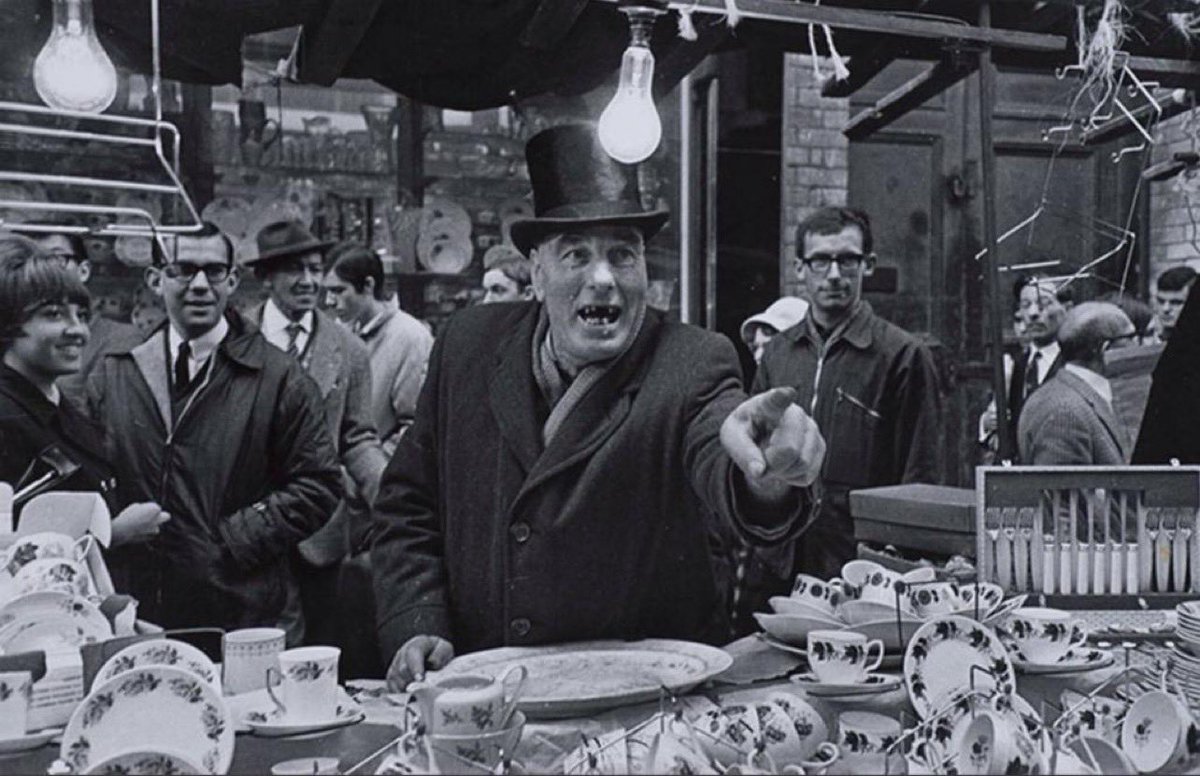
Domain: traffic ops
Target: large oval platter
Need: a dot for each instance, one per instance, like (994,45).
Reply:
(568,680)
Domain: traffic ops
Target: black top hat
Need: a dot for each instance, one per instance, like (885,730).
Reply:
(282,239)
(575,182)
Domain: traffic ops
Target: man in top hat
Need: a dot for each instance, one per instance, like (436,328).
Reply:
(227,434)
(290,265)
(565,450)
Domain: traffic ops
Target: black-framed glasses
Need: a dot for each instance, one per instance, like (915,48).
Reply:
(187,271)
(846,262)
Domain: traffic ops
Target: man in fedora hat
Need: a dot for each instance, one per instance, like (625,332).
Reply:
(290,264)
(227,434)
(553,485)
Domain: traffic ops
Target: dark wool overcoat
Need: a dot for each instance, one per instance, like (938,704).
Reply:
(488,539)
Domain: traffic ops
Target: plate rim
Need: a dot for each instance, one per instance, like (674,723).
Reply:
(139,645)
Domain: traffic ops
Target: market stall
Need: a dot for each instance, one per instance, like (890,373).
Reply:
(1043,622)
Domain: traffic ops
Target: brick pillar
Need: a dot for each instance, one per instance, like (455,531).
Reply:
(815,167)
(1172,228)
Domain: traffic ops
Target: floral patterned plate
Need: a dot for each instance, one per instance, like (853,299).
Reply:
(157,708)
(950,653)
(272,724)
(570,680)
(33,605)
(42,631)
(160,652)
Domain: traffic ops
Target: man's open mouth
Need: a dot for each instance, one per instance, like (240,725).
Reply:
(599,314)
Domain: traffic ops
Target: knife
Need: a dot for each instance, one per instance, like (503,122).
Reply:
(1037,555)
(1145,545)
(1179,552)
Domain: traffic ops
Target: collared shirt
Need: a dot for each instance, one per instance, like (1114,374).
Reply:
(1049,356)
(275,323)
(366,330)
(202,347)
(1097,382)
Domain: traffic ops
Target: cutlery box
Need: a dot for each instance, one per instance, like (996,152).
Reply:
(930,519)
(1091,537)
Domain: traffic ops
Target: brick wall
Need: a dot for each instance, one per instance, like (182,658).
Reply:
(1171,228)
(815,168)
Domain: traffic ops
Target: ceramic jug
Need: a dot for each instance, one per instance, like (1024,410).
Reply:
(463,704)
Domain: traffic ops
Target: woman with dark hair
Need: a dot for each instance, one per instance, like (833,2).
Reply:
(44,435)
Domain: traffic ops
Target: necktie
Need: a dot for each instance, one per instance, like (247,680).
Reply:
(182,370)
(293,331)
(1031,373)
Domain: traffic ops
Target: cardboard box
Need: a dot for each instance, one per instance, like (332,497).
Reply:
(58,675)
(932,519)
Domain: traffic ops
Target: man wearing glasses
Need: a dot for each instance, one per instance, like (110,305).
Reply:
(107,335)
(1069,420)
(225,432)
(870,386)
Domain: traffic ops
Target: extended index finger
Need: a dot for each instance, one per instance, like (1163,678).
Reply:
(775,402)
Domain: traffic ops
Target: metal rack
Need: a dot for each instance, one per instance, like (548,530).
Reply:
(159,136)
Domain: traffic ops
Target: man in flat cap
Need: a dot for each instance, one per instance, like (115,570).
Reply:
(565,450)
(290,262)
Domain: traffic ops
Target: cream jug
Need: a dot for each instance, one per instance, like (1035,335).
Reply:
(464,704)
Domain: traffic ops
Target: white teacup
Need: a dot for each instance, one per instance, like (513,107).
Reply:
(14,703)
(52,574)
(1158,732)
(815,592)
(45,545)
(842,657)
(864,739)
(308,680)
(1046,635)
(932,599)
(246,656)
(873,581)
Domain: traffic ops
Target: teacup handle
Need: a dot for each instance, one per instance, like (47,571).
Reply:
(1079,633)
(512,690)
(271,689)
(879,659)
(829,754)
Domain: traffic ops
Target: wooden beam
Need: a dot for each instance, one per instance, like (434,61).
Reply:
(873,21)
(1168,72)
(1172,105)
(863,67)
(686,54)
(907,97)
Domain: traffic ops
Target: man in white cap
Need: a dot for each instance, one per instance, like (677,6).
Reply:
(783,314)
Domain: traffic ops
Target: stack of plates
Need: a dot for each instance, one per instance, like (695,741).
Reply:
(50,620)
(1185,667)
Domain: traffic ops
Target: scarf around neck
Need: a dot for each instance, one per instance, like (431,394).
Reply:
(563,394)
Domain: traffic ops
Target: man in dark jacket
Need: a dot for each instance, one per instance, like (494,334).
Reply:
(225,432)
(564,450)
(871,386)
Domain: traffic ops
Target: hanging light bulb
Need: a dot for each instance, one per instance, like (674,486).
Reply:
(629,128)
(72,71)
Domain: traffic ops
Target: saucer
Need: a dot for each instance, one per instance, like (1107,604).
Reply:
(874,684)
(1075,661)
(28,741)
(272,724)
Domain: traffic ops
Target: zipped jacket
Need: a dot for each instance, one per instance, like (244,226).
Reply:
(245,467)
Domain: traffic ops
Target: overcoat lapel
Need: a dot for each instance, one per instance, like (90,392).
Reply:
(323,362)
(153,365)
(512,392)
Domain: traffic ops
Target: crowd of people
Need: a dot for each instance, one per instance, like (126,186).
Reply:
(562,462)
